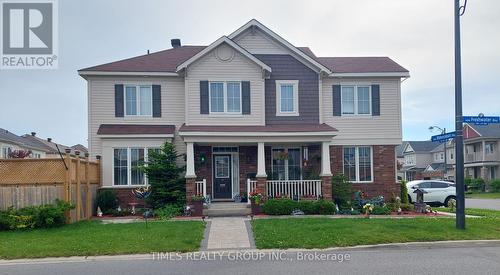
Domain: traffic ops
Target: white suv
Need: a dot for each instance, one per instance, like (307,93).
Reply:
(438,192)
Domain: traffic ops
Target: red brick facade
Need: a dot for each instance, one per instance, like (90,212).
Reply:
(125,196)
(384,170)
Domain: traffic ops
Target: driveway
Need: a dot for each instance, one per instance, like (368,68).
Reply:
(483,203)
(474,258)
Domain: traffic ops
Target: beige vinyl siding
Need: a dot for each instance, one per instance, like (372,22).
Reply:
(102,106)
(366,130)
(210,68)
(256,42)
(107,154)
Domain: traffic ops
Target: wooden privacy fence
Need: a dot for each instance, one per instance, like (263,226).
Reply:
(28,182)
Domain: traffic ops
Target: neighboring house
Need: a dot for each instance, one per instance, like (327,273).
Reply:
(417,157)
(250,110)
(400,160)
(482,152)
(436,169)
(10,142)
(55,148)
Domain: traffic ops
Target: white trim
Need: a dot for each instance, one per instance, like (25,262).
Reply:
(356,101)
(102,73)
(275,36)
(223,39)
(374,74)
(356,159)
(224,94)
(295,84)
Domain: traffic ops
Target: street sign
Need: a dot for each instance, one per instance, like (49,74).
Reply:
(481,119)
(443,137)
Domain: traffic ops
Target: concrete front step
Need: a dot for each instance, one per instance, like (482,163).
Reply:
(227,209)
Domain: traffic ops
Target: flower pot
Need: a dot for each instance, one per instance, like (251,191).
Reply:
(256,208)
(198,208)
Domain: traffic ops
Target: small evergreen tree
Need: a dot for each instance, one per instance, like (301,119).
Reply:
(342,191)
(164,176)
(404,192)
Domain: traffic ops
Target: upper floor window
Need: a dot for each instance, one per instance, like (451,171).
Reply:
(409,159)
(138,100)
(489,147)
(225,97)
(356,100)
(287,97)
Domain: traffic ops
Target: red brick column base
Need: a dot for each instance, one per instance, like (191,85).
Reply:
(261,185)
(326,187)
(190,189)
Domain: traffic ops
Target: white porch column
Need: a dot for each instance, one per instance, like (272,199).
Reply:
(325,159)
(261,160)
(190,160)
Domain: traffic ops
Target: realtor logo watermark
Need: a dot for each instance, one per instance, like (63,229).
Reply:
(29,34)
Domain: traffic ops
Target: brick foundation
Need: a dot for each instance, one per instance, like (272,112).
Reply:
(261,185)
(248,166)
(125,196)
(190,189)
(384,171)
(326,187)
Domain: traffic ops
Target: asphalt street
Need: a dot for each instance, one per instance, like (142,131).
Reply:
(478,258)
(483,203)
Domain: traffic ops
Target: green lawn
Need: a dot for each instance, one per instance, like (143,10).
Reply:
(476,212)
(326,232)
(94,238)
(483,195)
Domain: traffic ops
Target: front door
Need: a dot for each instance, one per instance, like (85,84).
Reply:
(222,177)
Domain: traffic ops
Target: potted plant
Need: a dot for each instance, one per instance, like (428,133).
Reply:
(197,202)
(368,208)
(256,201)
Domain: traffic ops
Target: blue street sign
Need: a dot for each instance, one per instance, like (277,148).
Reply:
(481,120)
(443,137)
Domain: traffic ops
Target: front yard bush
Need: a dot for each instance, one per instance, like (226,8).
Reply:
(381,210)
(43,216)
(342,191)
(168,211)
(404,192)
(287,206)
(107,201)
(495,185)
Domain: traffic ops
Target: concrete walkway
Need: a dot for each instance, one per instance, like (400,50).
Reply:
(228,233)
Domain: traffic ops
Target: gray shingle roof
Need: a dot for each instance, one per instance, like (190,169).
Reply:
(9,137)
(424,146)
(490,130)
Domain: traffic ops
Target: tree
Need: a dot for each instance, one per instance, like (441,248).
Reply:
(19,154)
(342,191)
(164,176)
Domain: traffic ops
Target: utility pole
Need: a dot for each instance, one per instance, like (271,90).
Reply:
(459,146)
(445,156)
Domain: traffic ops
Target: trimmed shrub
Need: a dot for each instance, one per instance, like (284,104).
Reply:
(381,210)
(43,216)
(286,207)
(107,201)
(495,185)
(407,207)
(168,211)
(404,192)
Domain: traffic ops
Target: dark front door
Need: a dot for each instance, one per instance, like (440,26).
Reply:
(222,177)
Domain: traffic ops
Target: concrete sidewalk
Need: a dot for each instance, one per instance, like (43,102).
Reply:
(229,233)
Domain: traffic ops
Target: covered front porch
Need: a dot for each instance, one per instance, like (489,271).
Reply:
(231,165)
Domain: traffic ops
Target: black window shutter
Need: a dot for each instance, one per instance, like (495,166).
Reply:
(376,100)
(156,101)
(245,97)
(119,104)
(204,97)
(337,104)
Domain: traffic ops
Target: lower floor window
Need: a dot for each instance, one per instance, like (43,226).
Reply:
(127,163)
(358,163)
(286,164)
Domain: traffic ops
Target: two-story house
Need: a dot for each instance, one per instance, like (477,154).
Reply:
(481,152)
(251,112)
(417,158)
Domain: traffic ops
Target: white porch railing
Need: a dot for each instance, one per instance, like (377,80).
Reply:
(201,187)
(290,188)
(251,186)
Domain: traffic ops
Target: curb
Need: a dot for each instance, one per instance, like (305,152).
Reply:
(359,248)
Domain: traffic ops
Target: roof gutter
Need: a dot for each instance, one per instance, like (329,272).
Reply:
(118,73)
(374,74)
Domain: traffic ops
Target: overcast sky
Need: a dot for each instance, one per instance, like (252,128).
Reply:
(416,34)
